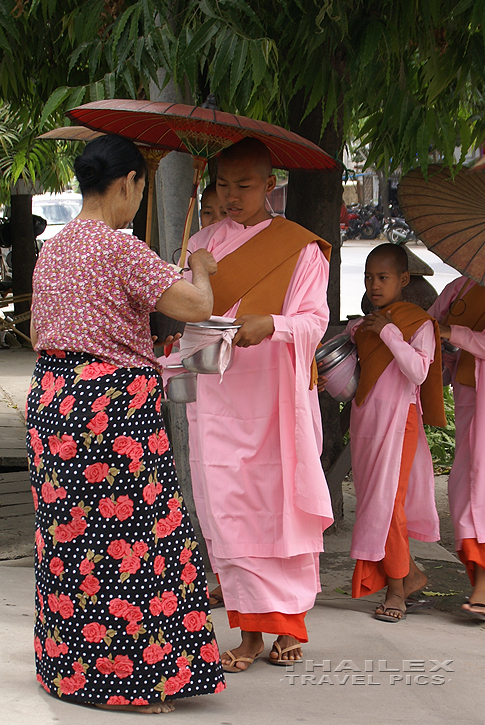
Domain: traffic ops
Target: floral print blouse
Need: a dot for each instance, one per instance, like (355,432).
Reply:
(93,290)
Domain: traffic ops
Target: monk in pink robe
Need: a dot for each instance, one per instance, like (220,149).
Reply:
(255,439)
(391,461)
(461,306)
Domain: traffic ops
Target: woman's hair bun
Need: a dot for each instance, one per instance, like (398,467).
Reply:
(106,159)
(88,172)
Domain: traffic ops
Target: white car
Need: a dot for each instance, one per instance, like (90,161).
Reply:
(57,210)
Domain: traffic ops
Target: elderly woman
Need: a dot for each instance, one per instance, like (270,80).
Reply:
(122,615)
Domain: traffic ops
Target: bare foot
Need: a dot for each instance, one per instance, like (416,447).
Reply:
(286,641)
(215,598)
(393,606)
(415,580)
(156,708)
(251,646)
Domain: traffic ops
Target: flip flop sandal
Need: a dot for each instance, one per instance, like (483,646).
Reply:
(414,605)
(280,662)
(219,601)
(475,615)
(232,667)
(383,617)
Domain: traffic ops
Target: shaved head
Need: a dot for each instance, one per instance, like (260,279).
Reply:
(209,190)
(393,253)
(249,150)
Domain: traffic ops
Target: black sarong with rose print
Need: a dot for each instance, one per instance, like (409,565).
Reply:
(122,612)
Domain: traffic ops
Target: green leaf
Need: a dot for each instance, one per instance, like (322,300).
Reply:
(202,36)
(258,63)
(238,65)
(223,59)
(54,101)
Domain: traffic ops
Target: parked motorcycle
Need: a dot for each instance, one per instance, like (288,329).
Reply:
(364,223)
(398,232)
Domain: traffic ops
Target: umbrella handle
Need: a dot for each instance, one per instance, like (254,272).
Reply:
(153,157)
(199,166)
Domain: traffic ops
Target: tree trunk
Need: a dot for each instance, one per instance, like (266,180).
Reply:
(384,192)
(23,252)
(314,201)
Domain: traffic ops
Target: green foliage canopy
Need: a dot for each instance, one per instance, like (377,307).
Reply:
(407,73)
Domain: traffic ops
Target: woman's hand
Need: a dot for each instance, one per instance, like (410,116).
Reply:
(202,260)
(253,330)
(445,332)
(168,341)
(376,322)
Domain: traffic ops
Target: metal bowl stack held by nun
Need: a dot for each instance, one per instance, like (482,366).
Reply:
(206,361)
(337,361)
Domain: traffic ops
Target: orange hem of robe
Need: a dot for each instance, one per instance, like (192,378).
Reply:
(278,623)
(370,577)
(470,554)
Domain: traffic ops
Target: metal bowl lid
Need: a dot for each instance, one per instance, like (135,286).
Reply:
(213,325)
(334,352)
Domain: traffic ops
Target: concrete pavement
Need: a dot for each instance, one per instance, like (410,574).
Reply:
(428,668)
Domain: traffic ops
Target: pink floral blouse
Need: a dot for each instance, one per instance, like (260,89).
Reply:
(93,290)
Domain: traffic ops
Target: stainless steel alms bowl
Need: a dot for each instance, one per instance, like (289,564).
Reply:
(334,352)
(206,361)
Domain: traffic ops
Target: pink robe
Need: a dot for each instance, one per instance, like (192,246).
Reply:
(466,484)
(376,437)
(255,442)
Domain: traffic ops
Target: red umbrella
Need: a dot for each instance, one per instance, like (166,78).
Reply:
(202,132)
(198,131)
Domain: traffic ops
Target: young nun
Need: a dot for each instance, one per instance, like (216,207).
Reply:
(255,440)
(400,385)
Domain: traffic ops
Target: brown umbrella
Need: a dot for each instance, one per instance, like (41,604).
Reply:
(448,214)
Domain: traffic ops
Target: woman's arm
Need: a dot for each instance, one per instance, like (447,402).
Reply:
(191,302)
(33,334)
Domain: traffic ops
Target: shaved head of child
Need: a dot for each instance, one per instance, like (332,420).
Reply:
(244,177)
(251,150)
(386,274)
(211,210)
(395,254)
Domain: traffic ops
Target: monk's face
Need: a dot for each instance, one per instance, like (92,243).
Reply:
(242,186)
(383,282)
(211,210)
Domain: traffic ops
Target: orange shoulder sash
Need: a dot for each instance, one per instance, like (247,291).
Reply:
(259,272)
(375,356)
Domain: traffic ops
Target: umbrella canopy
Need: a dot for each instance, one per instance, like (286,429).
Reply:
(71,133)
(448,215)
(202,132)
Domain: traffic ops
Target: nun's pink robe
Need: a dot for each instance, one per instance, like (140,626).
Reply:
(255,442)
(377,430)
(466,484)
